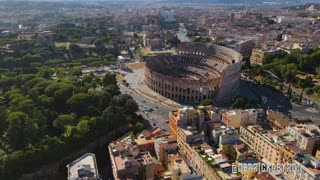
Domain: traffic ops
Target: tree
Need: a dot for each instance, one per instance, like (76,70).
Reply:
(289,26)
(76,51)
(174,41)
(267,58)
(107,57)
(131,106)
(28,59)
(83,127)
(291,58)
(21,130)
(7,82)
(112,89)
(279,37)
(309,91)
(63,120)
(289,89)
(109,79)
(79,102)
(301,96)
(289,71)
(112,118)
(139,127)
(207,102)
(240,102)
(62,95)
(87,78)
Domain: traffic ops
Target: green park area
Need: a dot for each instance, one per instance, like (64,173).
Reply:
(300,70)
(48,108)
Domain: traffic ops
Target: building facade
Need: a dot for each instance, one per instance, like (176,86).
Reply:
(163,146)
(307,137)
(277,147)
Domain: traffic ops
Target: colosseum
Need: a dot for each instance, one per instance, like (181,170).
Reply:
(196,73)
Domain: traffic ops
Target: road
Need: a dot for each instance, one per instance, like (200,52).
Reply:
(277,101)
(296,93)
(157,117)
(133,54)
(182,34)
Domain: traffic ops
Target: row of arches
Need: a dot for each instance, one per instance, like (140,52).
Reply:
(187,99)
(183,89)
(192,53)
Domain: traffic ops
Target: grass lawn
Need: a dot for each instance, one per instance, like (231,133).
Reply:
(136,66)
(257,78)
(303,76)
(144,51)
(61,44)
(314,96)
(119,76)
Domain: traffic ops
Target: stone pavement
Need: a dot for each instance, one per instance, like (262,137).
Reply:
(135,78)
(146,91)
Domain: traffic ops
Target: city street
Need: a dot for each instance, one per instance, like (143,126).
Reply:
(274,100)
(277,101)
(182,34)
(155,113)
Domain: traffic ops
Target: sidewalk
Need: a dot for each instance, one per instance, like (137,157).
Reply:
(144,90)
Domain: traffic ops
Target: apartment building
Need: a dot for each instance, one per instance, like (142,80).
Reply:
(307,137)
(128,162)
(189,135)
(84,167)
(163,146)
(145,140)
(189,116)
(237,118)
(279,147)
(178,167)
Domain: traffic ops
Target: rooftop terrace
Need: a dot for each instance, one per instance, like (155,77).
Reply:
(83,168)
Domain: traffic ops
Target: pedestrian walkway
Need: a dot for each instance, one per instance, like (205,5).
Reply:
(143,89)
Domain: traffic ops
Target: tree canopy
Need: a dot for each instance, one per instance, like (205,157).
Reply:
(43,117)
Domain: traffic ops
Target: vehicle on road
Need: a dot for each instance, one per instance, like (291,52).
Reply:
(143,101)
(164,129)
(150,110)
(167,121)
